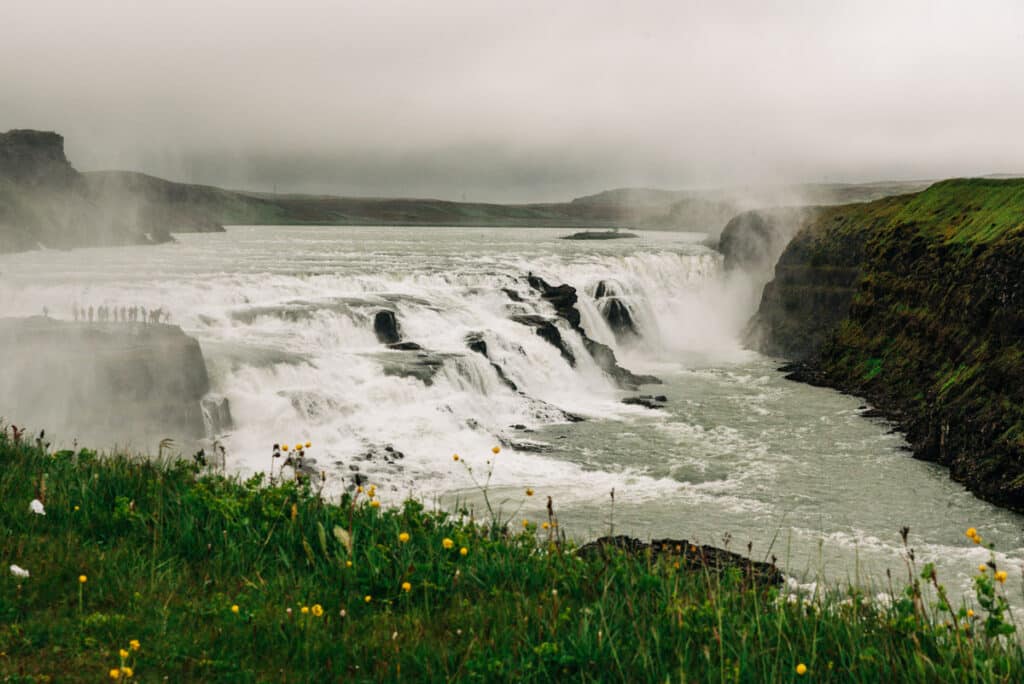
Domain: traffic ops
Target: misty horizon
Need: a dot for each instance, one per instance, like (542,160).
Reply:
(534,103)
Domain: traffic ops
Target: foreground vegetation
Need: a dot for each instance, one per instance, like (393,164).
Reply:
(158,572)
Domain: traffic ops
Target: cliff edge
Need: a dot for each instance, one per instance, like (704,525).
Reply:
(45,202)
(101,383)
(916,303)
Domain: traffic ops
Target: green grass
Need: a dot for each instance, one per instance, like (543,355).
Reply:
(167,551)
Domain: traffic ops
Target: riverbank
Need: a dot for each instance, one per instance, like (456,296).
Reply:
(916,304)
(202,578)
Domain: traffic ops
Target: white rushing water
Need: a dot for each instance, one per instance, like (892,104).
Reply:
(285,319)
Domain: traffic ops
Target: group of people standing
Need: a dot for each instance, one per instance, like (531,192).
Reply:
(124,314)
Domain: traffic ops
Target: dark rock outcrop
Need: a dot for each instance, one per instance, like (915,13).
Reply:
(753,240)
(917,304)
(691,557)
(563,298)
(615,311)
(104,383)
(476,343)
(647,401)
(385,326)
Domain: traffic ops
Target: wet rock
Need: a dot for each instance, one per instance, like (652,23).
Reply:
(605,359)
(405,346)
(691,557)
(385,325)
(618,317)
(548,332)
(563,298)
(512,294)
(475,342)
(647,401)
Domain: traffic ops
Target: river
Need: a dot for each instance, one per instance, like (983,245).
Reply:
(736,455)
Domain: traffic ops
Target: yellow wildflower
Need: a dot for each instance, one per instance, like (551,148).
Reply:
(406,586)
(304,610)
(309,444)
(526,523)
(1000,576)
(123,653)
(977,539)
(359,489)
(375,503)
(348,564)
(970,613)
(115,673)
(368,598)
(982,568)
(318,610)
(234,609)
(134,644)
(801,669)
(76,508)
(971,533)
(83,579)
(544,525)
(496,450)
(447,543)
(455,457)
(403,537)
(529,492)
(284,447)
(463,551)
(127,671)
(372,491)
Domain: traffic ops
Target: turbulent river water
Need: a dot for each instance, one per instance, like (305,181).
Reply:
(737,454)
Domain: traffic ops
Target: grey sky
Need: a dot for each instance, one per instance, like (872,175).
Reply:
(520,100)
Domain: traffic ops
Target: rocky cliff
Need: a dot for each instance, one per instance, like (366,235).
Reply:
(103,383)
(917,303)
(45,202)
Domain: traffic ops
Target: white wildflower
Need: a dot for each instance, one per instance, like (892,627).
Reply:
(37,507)
(19,571)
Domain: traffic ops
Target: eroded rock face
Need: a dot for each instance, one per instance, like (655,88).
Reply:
(385,326)
(615,311)
(129,384)
(917,303)
(564,298)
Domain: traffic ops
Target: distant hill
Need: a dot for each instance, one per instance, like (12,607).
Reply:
(45,202)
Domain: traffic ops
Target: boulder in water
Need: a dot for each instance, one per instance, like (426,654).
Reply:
(619,319)
(385,325)
(548,331)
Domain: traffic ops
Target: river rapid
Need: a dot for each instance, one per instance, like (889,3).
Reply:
(736,455)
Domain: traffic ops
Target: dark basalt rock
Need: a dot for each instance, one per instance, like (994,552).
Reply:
(691,557)
(624,378)
(548,332)
(405,346)
(647,401)
(619,319)
(476,343)
(385,325)
(564,298)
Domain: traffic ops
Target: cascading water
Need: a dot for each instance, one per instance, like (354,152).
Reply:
(285,317)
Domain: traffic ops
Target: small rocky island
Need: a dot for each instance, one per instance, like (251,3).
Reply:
(599,235)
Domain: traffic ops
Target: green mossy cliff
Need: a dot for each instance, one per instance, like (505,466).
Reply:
(917,303)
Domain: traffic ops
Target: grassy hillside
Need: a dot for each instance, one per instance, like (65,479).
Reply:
(918,304)
(181,576)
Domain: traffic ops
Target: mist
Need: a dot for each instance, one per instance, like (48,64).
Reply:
(526,102)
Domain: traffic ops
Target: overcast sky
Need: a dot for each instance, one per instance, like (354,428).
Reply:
(520,100)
